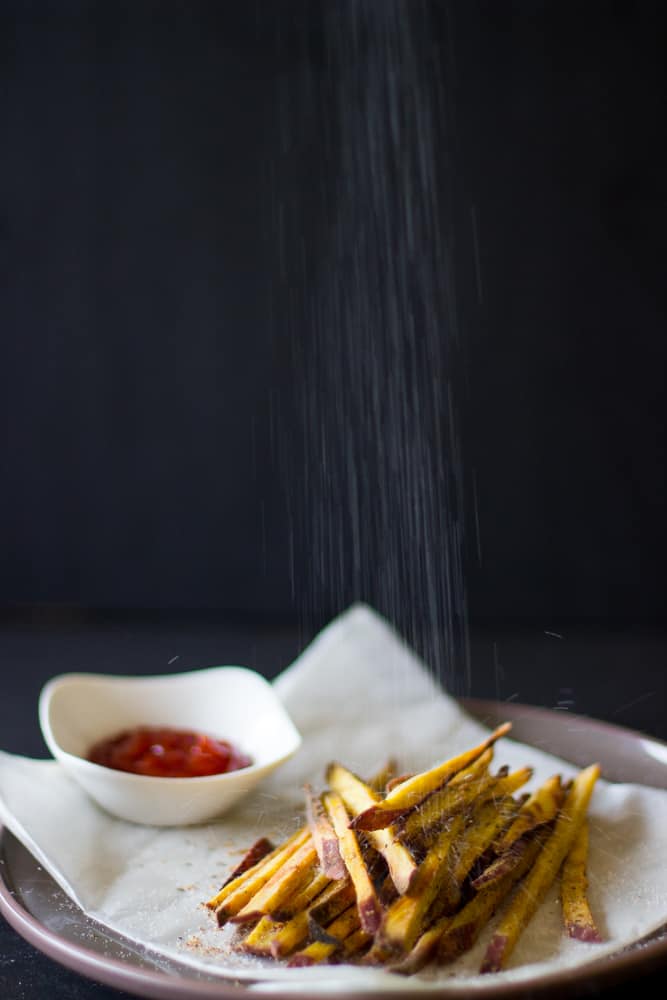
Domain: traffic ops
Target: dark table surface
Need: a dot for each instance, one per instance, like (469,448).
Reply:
(615,675)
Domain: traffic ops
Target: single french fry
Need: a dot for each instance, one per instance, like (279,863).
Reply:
(508,784)
(290,878)
(475,771)
(234,896)
(357,796)
(324,837)
(368,905)
(544,871)
(540,808)
(259,850)
(403,921)
(577,916)
(411,793)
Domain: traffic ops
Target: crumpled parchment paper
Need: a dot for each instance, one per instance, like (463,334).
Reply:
(357,694)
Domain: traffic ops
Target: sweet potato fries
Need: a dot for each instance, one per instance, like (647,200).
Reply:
(413,875)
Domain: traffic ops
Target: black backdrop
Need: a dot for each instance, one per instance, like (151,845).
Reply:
(141,353)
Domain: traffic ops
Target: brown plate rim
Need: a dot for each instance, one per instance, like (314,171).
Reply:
(644,956)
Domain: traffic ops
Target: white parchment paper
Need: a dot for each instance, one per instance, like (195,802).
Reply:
(357,694)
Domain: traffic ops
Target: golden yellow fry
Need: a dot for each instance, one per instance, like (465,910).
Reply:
(326,908)
(260,850)
(544,871)
(301,900)
(279,939)
(412,792)
(510,783)
(507,862)
(262,864)
(234,896)
(357,796)
(290,936)
(475,771)
(324,837)
(540,808)
(403,921)
(258,940)
(290,878)
(577,916)
(345,924)
(422,952)
(368,905)
(314,954)
(454,797)
(356,942)
(334,937)
(268,938)
(331,902)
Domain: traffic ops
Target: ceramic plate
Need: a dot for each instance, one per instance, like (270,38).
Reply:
(35,906)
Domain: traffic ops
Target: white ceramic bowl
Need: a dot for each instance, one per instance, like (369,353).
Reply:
(232,703)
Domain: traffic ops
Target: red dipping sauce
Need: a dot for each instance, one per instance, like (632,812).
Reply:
(168,753)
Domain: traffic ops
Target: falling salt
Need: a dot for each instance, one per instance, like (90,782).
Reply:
(374,473)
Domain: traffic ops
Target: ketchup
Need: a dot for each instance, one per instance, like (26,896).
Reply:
(168,753)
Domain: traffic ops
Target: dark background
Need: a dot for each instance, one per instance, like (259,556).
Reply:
(142,341)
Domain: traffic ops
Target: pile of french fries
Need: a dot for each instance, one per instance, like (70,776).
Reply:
(407,871)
